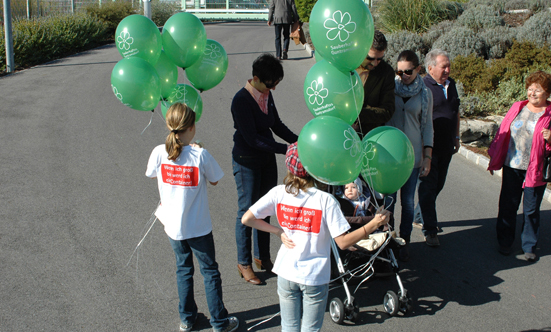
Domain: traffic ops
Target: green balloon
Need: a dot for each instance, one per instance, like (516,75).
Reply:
(138,36)
(329,91)
(210,70)
(184,39)
(342,32)
(186,94)
(388,159)
(136,84)
(168,73)
(317,56)
(330,150)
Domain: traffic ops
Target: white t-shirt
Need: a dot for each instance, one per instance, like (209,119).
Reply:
(310,219)
(184,209)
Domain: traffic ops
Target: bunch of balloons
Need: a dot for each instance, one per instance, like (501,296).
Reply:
(148,72)
(329,148)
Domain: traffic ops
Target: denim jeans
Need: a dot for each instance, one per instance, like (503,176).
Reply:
(286,38)
(429,188)
(254,177)
(407,200)
(509,202)
(293,297)
(203,249)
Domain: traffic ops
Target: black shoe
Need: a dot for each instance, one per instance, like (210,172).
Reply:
(284,55)
(505,251)
(403,254)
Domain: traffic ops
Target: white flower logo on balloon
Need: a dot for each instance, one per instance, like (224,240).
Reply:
(369,154)
(125,40)
(213,51)
(352,142)
(178,95)
(116,92)
(316,92)
(119,95)
(340,25)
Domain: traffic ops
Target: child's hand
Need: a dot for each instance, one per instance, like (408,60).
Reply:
(382,216)
(287,242)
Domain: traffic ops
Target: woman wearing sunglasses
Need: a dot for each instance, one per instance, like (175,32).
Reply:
(413,116)
(256,120)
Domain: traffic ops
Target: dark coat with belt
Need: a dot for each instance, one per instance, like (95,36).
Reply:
(283,12)
(379,104)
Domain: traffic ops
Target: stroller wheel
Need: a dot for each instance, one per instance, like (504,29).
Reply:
(405,302)
(336,310)
(351,310)
(391,303)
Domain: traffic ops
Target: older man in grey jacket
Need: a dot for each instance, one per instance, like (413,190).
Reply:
(282,13)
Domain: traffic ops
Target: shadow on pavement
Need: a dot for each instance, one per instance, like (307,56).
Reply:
(463,270)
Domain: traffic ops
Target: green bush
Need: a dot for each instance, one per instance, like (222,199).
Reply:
(436,31)
(412,15)
(161,11)
(404,40)
(111,13)
(461,41)
(304,8)
(498,41)
(470,71)
(41,40)
(497,5)
(537,29)
(478,18)
(537,6)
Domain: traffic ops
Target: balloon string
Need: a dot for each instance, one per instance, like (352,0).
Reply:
(149,124)
(151,221)
(358,110)
(262,322)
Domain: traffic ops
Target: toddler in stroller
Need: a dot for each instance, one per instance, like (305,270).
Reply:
(371,257)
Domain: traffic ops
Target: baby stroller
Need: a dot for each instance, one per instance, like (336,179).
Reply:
(368,258)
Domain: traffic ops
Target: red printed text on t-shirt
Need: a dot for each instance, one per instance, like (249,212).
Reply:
(184,176)
(299,218)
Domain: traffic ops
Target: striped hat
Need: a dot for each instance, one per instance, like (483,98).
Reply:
(293,163)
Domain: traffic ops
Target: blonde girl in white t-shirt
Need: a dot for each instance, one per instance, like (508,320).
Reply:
(182,170)
(308,219)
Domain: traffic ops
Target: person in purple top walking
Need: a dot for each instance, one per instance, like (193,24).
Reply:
(256,119)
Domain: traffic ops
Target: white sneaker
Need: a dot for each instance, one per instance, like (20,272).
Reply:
(232,326)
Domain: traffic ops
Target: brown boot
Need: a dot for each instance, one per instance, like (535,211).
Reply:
(265,264)
(246,272)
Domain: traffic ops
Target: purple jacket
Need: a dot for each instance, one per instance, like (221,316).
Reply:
(500,145)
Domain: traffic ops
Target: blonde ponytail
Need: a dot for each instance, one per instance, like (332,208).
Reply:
(179,118)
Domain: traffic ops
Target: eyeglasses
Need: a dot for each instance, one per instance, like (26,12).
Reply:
(271,85)
(536,92)
(372,59)
(402,72)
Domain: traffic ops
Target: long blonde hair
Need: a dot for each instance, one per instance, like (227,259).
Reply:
(179,118)
(294,184)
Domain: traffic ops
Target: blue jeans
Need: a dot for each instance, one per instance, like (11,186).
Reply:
(254,177)
(293,297)
(509,202)
(286,38)
(429,188)
(407,200)
(203,248)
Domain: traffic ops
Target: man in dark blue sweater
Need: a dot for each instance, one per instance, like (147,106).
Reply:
(255,119)
(445,117)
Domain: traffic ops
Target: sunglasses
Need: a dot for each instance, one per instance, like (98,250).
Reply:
(271,85)
(372,59)
(402,72)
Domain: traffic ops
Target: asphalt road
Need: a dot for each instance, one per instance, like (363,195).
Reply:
(74,203)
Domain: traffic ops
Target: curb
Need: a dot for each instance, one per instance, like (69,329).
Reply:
(309,49)
(483,162)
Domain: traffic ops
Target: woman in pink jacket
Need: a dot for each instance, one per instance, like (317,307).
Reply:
(519,147)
